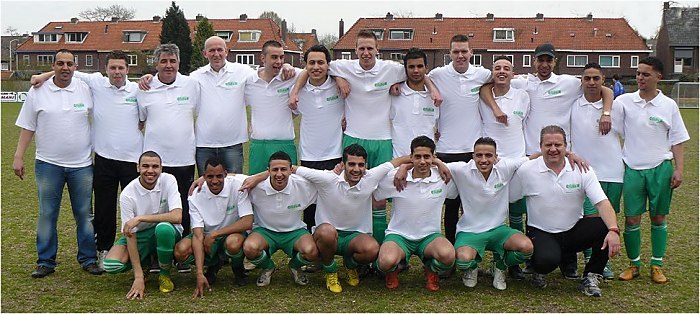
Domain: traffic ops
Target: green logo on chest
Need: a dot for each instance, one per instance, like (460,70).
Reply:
(381,84)
(284,90)
(656,119)
(554,92)
(436,191)
(79,106)
(131,99)
(332,98)
(183,98)
(428,109)
(518,113)
(231,83)
(475,89)
(230,209)
(498,185)
(573,186)
(294,206)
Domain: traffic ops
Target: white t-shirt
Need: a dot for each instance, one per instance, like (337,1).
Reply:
(214,212)
(651,128)
(135,200)
(169,112)
(367,106)
(485,202)
(221,118)
(280,211)
(322,110)
(603,152)
(270,116)
(413,114)
(59,118)
(510,139)
(554,202)
(115,114)
(417,210)
(460,119)
(345,207)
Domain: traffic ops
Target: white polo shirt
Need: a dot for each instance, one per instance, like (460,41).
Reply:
(135,200)
(270,116)
(345,207)
(417,210)
(59,118)
(369,102)
(554,202)
(651,128)
(280,211)
(322,109)
(460,119)
(115,115)
(510,139)
(485,202)
(413,114)
(213,212)
(550,104)
(169,112)
(603,152)
(221,118)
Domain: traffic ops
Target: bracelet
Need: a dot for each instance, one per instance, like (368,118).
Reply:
(615,229)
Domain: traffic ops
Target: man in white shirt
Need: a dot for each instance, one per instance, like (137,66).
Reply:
(59,115)
(558,228)
(220,216)
(654,135)
(151,212)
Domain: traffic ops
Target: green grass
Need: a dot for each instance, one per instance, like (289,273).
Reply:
(72,290)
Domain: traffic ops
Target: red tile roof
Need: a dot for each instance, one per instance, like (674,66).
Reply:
(309,39)
(430,33)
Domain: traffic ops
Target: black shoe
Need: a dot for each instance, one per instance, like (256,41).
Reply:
(364,270)
(183,268)
(93,269)
(570,274)
(240,276)
(516,272)
(42,271)
(528,270)
(155,266)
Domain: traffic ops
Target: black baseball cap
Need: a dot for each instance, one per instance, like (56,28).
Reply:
(545,49)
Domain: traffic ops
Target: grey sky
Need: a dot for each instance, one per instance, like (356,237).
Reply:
(645,16)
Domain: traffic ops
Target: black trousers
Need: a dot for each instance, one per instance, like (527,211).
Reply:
(310,212)
(451,215)
(550,248)
(184,176)
(108,176)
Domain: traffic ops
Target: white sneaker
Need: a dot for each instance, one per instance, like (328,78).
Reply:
(265,277)
(499,279)
(247,265)
(101,255)
(469,278)
(299,276)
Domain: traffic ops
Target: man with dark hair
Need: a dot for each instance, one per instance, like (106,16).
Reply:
(618,89)
(559,228)
(59,115)
(654,135)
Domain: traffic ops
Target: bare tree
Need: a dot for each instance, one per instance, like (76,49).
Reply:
(291,28)
(328,40)
(106,13)
(403,13)
(12,31)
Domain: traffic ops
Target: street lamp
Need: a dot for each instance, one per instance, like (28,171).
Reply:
(11,55)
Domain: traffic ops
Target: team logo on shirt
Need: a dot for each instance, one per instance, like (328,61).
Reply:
(230,209)
(475,90)
(163,204)
(283,91)
(428,110)
(130,99)
(332,98)
(498,185)
(79,106)
(381,84)
(518,113)
(294,206)
(183,100)
(436,191)
(654,119)
(573,186)
(554,92)
(229,84)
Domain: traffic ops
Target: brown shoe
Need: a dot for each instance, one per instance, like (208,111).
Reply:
(657,275)
(392,279)
(630,273)
(432,280)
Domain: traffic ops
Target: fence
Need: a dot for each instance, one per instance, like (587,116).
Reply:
(686,94)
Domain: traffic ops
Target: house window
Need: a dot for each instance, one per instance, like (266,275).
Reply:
(576,61)
(75,60)
(609,61)
(47,38)
(133,59)
(133,37)
(396,56)
(247,59)
(345,55)
(401,34)
(493,58)
(26,59)
(634,61)
(379,33)
(379,56)
(475,60)
(75,37)
(44,60)
(446,59)
(150,60)
(527,61)
(503,34)
(88,60)
(5,66)
(225,35)
(248,36)
(682,58)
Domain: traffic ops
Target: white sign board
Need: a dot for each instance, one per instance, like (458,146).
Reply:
(9,96)
(22,96)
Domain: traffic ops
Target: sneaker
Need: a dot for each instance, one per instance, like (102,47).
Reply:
(42,271)
(432,280)
(516,272)
(657,275)
(392,279)
(101,256)
(265,276)
(299,276)
(155,266)
(312,268)
(166,285)
(211,272)
(570,274)
(247,265)
(93,269)
(183,268)
(629,273)
(589,285)
(499,279)
(241,278)
(332,283)
(539,281)
(470,277)
(607,272)
(353,277)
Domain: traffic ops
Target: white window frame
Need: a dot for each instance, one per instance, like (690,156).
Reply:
(26,60)
(570,64)
(346,55)
(244,58)
(53,38)
(403,32)
(5,66)
(88,60)
(379,56)
(612,61)
(446,58)
(126,38)
(151,60)
(255,37)
(133,60)
(379,32)
(75,59)
(474,57)
(228,34)
(527,61)
(42,60)
(506,38)
(77,34)
(634,62)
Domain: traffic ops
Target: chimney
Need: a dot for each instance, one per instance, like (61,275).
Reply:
(243,17)
(438,16)
(199,17)
(595,32)
(667,5)
(341,28)
(284,30)
(74,20)
(589,17)
(313,31)
(489,16)
(389,16)
(115,19)
(156,19)
(106,28)
(539,17)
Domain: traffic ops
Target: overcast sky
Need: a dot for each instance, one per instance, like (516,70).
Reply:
(645,16)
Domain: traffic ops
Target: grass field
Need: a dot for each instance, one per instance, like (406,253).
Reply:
(72,290)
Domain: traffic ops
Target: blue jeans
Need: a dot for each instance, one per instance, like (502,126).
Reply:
(50,180)
(231,155)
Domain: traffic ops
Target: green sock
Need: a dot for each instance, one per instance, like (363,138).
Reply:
(437,266)
(379,224)
(659,235)
(166,236)
(516,222)
(512,258)
(331,268)
(466,265)
(189,260)
(633,243)
(587,253)
(113,266)
(298,261)
(350,262)
(263,261)
(236,259)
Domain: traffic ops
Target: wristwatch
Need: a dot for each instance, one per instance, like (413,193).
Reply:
(606,113)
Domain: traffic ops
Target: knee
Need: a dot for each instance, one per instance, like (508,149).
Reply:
(325,233)
(446,255)
(525,246)
(164,229)
(369,248)
(633,220)
(309,251)
(465,254)
(658,219)
(387,260)
(234,243)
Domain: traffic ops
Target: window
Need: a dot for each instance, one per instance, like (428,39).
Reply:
(5,66)
(682,58)
(634,61)
(150,60)
(527,61)
(75,37)
(44,60)
(510,58)
(446,59)
(26,59)
(88,60)
(248,36)
(345,55)
(396,56)
(225,35)
(133,37)
(47,38)
(576,61)
(379,56)
(609,61)
(75,59)
(247,59)
(475,60)
(133,60)
(379,33)
(401,34)
(503,34)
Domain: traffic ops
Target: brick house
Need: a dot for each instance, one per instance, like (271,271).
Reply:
(677,41)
